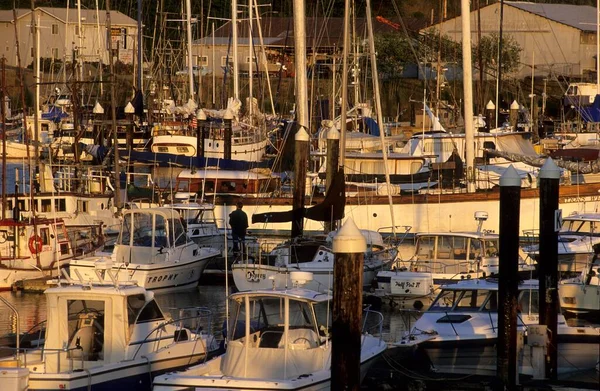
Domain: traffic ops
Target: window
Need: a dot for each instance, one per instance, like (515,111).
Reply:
(60,205)
(134,304)
(163,149)
(55,53)
(54,29)
(224,61)
(150,313)
(77,30)
(125,235)
(182,149)
(180,238)
(45,235)
(82,206)
(32,54)
(203,60)
(160,232)
(86,329)
(46,206)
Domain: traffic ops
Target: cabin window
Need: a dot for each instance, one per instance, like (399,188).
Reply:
(474,249)
(182,185)
(445,247)
(179,236)
(209,187)
(60,205)
(82,206)
(425,247)
(182,149)
(163,149)
(86,329)
(472,300)
(45,235)
(125,235)
(491,248)
(134,304)
(142,230)
(202,60)
(491,304)
(46,206)
(444,301)
(224,61)
(160,234)
(529,302)
(61,234)
(150,313)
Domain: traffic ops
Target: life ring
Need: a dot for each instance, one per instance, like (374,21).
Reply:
(35,244)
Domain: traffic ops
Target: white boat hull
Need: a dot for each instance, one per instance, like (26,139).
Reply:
(15,150)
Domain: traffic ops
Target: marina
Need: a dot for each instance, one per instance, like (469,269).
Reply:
(299,196)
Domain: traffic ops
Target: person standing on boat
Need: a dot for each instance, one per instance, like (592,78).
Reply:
(238,220)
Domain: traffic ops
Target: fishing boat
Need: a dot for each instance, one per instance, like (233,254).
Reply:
(459,331)
(580,296)
(276,340)
(312,254)
(106,335)
(576,239)
(442,258)
(40,247)
(153,249)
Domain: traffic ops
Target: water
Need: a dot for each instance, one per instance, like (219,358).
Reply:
(32,310)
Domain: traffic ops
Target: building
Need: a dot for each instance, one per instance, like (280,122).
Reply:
(60,35)
(560,38)
(324,38)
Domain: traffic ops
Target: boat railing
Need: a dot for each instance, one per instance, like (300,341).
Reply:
(372,322)
(394,235)
(199,321)
(21,357)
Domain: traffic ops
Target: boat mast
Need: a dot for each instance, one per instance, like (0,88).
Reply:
(188,21)
(99,40)
(36,35)
(234,38)
(113,110)
(344,113)
(375,76)
(3,113)
(139,46)
(250,56)
(468,95)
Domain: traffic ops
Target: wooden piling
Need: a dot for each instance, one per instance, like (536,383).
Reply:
(548,259)
(490,121)
(333,154)
(301,157)
(228,122)
(201,133)
(514,115)
(508,281)
(349,246)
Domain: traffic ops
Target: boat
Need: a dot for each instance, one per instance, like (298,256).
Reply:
(40,247)
(442,258)
(459,331)
(153,249)
(276,340)
(201,225)
(580,296)
(106,335)
(576,239)
(312,254)
(253,183)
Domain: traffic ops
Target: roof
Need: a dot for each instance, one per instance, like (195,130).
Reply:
(488,284)
(581,17)
(583,217)
(88,16)
(104,290)
(192,206)
(167,212)
(294,293)
(220,174)
(279,31)
(472,235)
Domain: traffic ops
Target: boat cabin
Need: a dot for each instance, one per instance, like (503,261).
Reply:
(198,218)
(287,329)
(580,225)
(214,181)
(455,252)
(150,236)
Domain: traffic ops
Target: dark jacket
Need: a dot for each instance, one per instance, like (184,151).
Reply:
(238,220)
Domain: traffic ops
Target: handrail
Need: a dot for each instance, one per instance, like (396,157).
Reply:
(378,325)
(202,313)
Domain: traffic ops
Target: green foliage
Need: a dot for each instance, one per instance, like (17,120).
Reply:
(393,52)
(511,53)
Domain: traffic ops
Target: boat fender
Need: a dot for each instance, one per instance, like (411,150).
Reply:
(35,244)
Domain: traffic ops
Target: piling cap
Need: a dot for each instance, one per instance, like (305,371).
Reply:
(98,109)
(490,105)
(514,105)
(228,114)
(349,239)
(333,134)
(129,109)
(510,177)
(201,115)
(549,170)
(302,135)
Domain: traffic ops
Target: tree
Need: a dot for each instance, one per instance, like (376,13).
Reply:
(509,60)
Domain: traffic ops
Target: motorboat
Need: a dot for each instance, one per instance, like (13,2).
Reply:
(442,258)
(459,331)
(577,236)
(277,339)
(309,254)
(153,248)
(40,247)
(201,225)
(212,182)
(580,296)
(106,335)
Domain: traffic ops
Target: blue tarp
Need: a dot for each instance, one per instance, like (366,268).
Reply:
(55,114)
(590,113)
(167,159)
(372,126)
